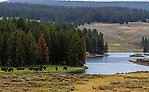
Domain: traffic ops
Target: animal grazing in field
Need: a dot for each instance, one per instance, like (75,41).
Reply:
(20,68)
(10,69)
(40,69)
(4,69)
(44,68)
(65,68)
(41,66)
(56,68)
(30,68)
(36,69)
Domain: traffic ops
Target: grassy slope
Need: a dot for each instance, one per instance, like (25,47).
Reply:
(50,68)
(122,38)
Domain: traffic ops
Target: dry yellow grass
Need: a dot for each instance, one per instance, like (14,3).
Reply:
(102,24)
(45,82)
(125,34)
(124,80)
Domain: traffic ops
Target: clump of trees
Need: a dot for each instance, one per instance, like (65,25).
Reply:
(95,42)
(25,42)
(145,44)
(75,15)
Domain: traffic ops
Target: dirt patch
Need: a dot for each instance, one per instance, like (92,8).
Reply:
(104,25)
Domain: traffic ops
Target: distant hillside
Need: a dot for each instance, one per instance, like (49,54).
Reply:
(138,5)
(74,15)
(125,37)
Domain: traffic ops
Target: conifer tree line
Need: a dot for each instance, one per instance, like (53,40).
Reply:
(75,15)
(95,41)
(25,42)
(145,44)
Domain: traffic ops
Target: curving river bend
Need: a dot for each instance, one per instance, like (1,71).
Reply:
(117,62)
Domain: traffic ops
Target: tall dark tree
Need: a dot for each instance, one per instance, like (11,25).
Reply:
(43,49)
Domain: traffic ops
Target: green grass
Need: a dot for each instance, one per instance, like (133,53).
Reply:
(50,68)
(142,53)
(92,56)
(133,60)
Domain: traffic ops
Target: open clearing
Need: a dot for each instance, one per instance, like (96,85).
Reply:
(126,37)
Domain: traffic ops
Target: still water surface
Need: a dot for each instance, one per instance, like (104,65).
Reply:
(115,63)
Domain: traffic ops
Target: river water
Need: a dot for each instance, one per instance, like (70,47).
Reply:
(117,62)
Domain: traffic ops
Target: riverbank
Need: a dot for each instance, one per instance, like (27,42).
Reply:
(143,53)
(141,61)
(94,56)
(44,82)
(49,69)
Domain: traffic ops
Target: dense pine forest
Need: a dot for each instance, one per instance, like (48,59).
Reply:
(28,42)
(72,3)
(31,43)
(75,15)
(145,44)
(95,42)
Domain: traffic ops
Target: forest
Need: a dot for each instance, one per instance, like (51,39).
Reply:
(74,15)
(71,3)
(95,41)
(28,42)
(145,44)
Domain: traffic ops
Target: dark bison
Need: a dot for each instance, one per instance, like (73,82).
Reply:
(10,69)
(56,68)
(65,68)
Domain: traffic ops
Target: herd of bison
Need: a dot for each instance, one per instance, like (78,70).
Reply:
(41,68)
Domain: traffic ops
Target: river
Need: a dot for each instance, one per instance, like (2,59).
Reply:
(117,62)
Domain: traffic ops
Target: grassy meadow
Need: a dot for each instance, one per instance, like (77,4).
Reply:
(49,68)
(130,82)
(43,82)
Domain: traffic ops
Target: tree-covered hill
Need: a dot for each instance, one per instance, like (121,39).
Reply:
(138,5)
(74,15)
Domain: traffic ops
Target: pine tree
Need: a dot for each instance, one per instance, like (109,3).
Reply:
(100,44)
(143,41)
(21,24)
(31,50)
(76,49)
(106,47)
(4,49)
(19,51)
(44,52)
(145,49)
(82,49)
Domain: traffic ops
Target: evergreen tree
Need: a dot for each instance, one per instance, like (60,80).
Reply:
(32,55)
(143,41)
(44,52)
(19,48)
(4,48)
(106,47)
